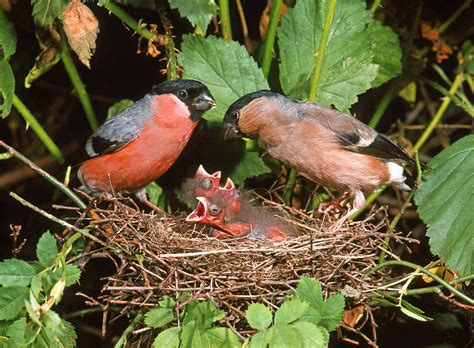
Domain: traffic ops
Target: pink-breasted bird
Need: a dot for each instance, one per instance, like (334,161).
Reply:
(323,144)
(141,143)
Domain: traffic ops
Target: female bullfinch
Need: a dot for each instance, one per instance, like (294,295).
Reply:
(141,143)
(325,145)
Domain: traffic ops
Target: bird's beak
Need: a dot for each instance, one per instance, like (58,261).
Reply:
(200,213)
(201,172)
(204,102)
(231,131)
(229,184)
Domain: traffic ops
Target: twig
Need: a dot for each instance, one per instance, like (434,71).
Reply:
(123,338)
(38,129)
(77,83)
(224,15)
(454,16)
(243,21)
(270,37)
(44,174)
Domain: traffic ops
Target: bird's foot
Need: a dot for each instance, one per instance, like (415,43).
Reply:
(142,197)
(326,207)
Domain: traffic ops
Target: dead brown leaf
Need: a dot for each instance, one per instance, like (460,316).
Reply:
(353,316)
(81,28)
(431,33)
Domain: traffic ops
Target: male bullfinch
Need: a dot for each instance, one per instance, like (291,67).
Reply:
(233,216)
(141,143)
(323,144)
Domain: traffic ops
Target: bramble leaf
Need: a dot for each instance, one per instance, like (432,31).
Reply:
(16,272)
(47,249)
(290,311)
(251,164)
(347,68)
(159,317)
(168,338)
(46,11)
(332,312)
(224,66)
(7,87)
(7,37)
(445,201)
(118,107)
(12,301)
(258,316)
(198,12)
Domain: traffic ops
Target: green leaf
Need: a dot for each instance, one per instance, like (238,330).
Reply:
(17,334)
(290,311)
(222,337)
(385,45)
(73,273)
(312,335)
(61,333)
(118,107)
(154,192)
(198,12)
(446,321)
(16,272)
(309,290)
(250,165)
(445,202)
(47,249)
(413,315)
(159,317)
(168,338)
(46,11)
(284,335)
(224,66)
(332,312)
(347,69)
(7,37)
(12,301)
(7,87)
(261,339)
(258,316)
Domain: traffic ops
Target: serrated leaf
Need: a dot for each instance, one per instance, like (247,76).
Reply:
(312,335)
(16,272)
(154,192)
(16,333)
(250,165)
(347,68)
(332,312)
(12,301)
(310,290)
(7,37)
(46,11)
(73,274)
(119,107)
(261,339)
(222,337)
(7,87)
(290,311)
(445,202)
(168,338)
(224,66)
(198,12)
(284,335)
(385,45)
(159,317)
(61,333)
(47,249)
(258,316)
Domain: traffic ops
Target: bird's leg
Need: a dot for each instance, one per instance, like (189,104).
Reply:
(325,207)
(358,202)
(142,197)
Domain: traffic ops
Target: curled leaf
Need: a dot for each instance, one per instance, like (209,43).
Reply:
(81,28)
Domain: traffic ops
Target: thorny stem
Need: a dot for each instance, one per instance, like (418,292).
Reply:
(320,55)
(270,37)
(45,175)
(172,65)
(51,217)
(454,16)
(76,81)
(425,271)
(375,5)
(224,15)
(38,129)
(123,338)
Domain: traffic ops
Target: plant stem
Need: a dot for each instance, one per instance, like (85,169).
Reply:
(77,83)
(375,5)
(290,185)
(122,340)
(425,271)
(382,106)
(38,129)
(270,37)
(59,185)
(454,16)
(319,56)
(224,15)
(51,217)
(437,118)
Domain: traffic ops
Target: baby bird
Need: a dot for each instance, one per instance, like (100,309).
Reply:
(325,145)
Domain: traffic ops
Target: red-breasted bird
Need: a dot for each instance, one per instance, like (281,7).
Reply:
(141,143)
(233,216)
(323,144)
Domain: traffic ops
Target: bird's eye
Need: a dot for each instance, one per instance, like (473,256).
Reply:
(214,209)
(183,94)
(238,194)
(235,115)
(207,183)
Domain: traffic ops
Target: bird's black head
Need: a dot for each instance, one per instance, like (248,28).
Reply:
(194,94)
(232,115)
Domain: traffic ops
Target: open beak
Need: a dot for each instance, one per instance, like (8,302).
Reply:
(229,184)
(204,102)
(199,214)
(201,172)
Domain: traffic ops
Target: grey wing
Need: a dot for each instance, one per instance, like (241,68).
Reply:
(119,130)
(356,136)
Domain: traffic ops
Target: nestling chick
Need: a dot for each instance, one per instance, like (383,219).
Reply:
(323,144)
(141,143)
